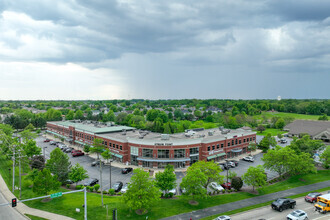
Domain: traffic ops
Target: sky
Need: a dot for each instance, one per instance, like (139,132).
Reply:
(164,49)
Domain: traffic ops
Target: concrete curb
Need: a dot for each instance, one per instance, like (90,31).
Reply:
(24,209)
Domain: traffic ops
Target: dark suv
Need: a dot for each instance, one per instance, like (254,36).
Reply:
(117,186)
(91,182)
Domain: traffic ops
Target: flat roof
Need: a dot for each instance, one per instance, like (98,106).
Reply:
(92,128)
(131,135)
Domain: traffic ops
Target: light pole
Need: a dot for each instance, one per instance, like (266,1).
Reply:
(227,171)
(44,151)
(110,172)
(101,180)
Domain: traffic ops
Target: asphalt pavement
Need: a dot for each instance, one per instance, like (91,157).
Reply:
(268,213)
(7,212)
(202,213)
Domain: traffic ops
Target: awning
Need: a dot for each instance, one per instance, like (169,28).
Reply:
(117,155)
(79,142)
(236,150)
(163,160)
(216,155)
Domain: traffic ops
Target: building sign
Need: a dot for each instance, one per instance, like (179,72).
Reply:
(215,151)
(163,144)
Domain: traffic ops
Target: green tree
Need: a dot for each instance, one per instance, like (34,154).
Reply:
(87,148)
(194,183)
(78,173)
(141,192)
(106,154)
(27,135)
(325,157)
(255,177)
(279,135)
(260,128)
(59,164)
(231,174)
(98,147)
(166,180)
(70,115)
(198,114)
(31,149)
(79,115)
(211,170)
(306,144)
(30,127)
(280,123)
(237,182)
(266,142)
(45,182)
(38,162)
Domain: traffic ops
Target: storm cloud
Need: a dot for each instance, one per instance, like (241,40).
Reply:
(164,49)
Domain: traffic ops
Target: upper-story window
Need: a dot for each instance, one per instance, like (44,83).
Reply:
(121,147)
(240,141)
(221,145)
(208,148)
(194,150)
(163,153)
(228,144)
(147,153)
(236,142)
(232,142)
(179,153)
(213,147)
(218,146)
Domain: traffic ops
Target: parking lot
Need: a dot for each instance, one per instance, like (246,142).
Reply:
(116,174)
(86,161)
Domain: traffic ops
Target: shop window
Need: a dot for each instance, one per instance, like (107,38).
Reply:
(208,148)
(218,146)
(221,145)
(147,153)
(213,147)
(179,153)
(163,153)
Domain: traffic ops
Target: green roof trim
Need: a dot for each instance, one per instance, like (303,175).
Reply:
(92,129)
(216,155)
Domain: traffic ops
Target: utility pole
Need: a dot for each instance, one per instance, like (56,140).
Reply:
(20,177)
(110,172)
(13,188)
(101,180)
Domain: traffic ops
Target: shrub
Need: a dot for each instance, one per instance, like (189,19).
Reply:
(112,192)
(210,193)
(98,191)
(170,195)
(96,187)
(119,193)
(68,186)
(79,187)
(166,195)
(237,182)
(105,192)
(223,191)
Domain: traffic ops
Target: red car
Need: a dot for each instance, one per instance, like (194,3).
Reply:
(77,153)
(226,185)
(312,197)
(47,140)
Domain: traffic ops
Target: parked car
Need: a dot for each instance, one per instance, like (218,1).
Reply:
(68,150)
(47,140)
(223,217)
(216,186)
(117,186)
(91,182)
(297,215)
(283,141)
(224,166)
(124,189)
(248,158)
(77,153)
(173,191)
(231,164)
(68,181)
(226,185)
(52,142)
(283,203)
(96,163)
(182,190)
(126,170)
(312,197)
(235,162)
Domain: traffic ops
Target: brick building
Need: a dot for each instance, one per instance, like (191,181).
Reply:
(154,150)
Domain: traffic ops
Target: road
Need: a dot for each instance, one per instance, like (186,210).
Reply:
(268,213)
(86,161)
(7,212)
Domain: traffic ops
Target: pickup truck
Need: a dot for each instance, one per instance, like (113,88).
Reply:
(283,203)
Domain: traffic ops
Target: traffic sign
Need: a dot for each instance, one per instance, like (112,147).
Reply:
(54,195)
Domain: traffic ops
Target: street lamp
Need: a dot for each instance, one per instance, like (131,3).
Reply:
(227,171)
(110,171)
(44,152)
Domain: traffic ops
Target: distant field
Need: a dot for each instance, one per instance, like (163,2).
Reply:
(294,115)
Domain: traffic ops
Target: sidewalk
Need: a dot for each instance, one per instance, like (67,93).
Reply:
(23,209)
(202,213)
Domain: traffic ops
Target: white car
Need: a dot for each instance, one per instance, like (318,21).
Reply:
(231,164)
(173,191)
(124,189)
(223,217)
(248,158)
(216,186)
(297,215)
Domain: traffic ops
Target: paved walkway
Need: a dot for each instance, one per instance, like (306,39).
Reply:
(24,209)
(202,213)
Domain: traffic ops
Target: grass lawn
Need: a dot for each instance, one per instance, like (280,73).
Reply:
(67,204)
(284,114)
(32,217)
(272,131)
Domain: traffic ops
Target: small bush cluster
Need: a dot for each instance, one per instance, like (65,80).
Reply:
(79,187)
(112,192)
(96,187)
(68,186)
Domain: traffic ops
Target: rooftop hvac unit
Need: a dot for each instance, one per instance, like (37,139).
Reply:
(164,136)
(124,133)
(221,128)
(210,133)
(141,137)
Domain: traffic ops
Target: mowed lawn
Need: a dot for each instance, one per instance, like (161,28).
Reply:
(272,131)
(294,115)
